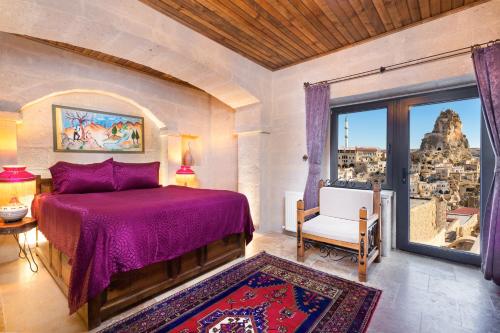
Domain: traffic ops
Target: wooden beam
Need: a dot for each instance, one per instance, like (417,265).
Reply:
(221,25)
(236,22)
(196,23)
(383,14)
(368,16)
(325,20)
(280,33)
(272,29)
(353,17)
(414,8)
(404,12)
(302,37)
(425,8)
(344,19)
(394,13)
(446,5)
(457,3)
(435,7)
(332,16)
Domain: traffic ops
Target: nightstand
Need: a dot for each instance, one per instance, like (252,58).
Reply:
(16,228)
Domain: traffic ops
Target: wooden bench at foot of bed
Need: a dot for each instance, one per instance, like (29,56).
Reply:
(131,288)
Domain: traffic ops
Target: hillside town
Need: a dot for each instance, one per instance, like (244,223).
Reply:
(360,163)
(444,187)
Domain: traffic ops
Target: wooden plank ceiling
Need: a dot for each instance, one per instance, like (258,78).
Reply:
(110,59)
(280,33)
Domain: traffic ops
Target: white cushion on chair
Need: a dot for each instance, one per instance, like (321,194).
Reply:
(335,228)
(344,203)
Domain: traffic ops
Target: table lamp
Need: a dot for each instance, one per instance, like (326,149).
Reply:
(15,182)
(184,175)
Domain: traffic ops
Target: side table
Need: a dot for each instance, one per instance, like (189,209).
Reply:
(16,228)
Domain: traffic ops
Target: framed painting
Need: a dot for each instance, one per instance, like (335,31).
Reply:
(90,131)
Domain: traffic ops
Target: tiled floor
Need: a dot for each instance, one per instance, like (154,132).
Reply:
(419,294)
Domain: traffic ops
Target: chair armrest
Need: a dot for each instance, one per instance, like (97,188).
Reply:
(303,213)
(311,211)
(306,212)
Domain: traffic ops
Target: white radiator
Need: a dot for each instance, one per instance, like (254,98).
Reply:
(388,199)
(291,199)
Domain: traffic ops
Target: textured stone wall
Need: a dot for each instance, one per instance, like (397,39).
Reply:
(422,221)
(35,76)
(8,142)
(132,30)
(253,171)
(222,161)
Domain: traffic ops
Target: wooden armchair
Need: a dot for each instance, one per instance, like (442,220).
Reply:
(347,218)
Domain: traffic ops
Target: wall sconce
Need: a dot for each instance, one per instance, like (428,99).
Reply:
(184,175)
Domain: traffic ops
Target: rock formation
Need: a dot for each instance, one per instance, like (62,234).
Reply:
(446,139)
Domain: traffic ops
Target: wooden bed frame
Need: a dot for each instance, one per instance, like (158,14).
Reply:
(131,288)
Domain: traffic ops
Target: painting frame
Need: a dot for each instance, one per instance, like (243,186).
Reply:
(57,128)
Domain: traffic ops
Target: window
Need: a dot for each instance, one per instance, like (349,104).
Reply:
(445,166)
(360,145)
(438,160)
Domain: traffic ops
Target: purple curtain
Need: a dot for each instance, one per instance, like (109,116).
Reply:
(487,67)
(317,107)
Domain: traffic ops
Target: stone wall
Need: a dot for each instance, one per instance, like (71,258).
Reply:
(422,220)
(52,76)
(132,30)
(427,221)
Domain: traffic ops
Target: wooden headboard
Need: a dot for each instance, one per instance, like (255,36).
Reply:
(43,185)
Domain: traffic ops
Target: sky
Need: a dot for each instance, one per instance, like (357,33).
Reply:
(422,120)
(369,128)
(366,129)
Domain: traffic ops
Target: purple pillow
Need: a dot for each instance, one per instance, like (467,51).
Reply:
(82,178)
(136,175)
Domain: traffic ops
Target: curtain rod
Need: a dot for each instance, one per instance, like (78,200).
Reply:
(404,64)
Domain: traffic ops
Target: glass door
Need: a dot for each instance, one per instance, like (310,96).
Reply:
(439,186)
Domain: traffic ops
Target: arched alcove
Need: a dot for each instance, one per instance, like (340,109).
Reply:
(146,112)
(35,128)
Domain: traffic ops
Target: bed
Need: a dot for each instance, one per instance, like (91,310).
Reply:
(110,251)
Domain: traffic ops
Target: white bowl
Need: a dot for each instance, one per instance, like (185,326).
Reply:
(13,212)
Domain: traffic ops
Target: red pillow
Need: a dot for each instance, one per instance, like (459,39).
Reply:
(136,175)
(82,178)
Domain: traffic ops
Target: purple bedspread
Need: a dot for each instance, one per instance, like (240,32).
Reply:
(107,233)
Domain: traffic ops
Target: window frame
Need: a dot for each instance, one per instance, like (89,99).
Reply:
(402,160)
(398,157)
(335,112)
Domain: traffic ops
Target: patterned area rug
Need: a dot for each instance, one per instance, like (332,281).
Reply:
(261,294)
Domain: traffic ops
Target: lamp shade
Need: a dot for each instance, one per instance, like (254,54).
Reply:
(185,175)
(17,184)
(185,170)
(15,174)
